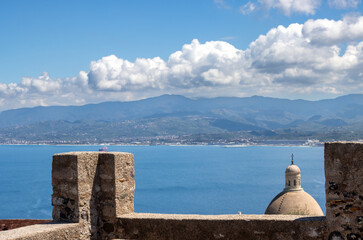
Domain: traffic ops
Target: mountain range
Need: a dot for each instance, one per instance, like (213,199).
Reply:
(176,116)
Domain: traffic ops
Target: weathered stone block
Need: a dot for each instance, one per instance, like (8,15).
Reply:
(232,227)
(343,186)
(85,189)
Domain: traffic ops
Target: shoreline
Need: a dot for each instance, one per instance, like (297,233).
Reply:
(171,145)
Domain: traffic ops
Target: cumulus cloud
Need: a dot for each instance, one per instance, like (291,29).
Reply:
(42,84)
(296,60)
(298,55)
(329,32)
(44,90)
(204,64)
(114,74)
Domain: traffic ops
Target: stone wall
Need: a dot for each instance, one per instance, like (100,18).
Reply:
(47,231)
(344,190)
(246,227)
(94,193)
(92,188)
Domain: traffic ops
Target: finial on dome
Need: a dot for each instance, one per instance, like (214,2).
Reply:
(292,159)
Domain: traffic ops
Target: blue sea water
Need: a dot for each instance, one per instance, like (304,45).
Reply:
(169,179)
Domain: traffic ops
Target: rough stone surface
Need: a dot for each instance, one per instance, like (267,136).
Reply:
(92,188)
(65,199)
(254,227)
(6,224)
(49,231)
(344,190)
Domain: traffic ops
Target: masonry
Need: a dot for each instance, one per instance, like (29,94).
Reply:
(93,195)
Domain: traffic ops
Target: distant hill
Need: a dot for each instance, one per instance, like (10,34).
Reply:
(181,116)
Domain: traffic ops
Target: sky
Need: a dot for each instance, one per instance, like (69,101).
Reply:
(79,52)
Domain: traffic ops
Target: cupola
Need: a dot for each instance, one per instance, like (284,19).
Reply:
(292,177)
(293,199)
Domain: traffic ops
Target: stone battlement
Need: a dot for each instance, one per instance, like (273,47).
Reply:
(93,195)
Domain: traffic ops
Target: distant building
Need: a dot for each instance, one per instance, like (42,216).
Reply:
(293,199)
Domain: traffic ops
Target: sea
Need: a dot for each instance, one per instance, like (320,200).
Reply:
(169,179)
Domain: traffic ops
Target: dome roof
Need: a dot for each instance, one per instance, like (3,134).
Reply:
(293,199)
(294,203)
(293,169)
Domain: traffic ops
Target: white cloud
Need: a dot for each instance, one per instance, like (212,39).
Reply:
(114,74)
(288,7)
(44,91)
(247,8)
(296,57)
(301,6)
(298,60)
(329,32)
(42,84)
(193,65)
(343,4)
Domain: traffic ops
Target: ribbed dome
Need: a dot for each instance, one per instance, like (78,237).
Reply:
(293,169)
(294,203)
(293,199)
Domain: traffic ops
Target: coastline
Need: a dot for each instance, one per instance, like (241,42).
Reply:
(321,144)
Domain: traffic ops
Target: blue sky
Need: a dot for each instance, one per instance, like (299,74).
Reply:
(77,52)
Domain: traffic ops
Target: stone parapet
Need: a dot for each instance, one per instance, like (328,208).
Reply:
(92,188)
(94,193)
(47,231)
(190,227)
(344,190)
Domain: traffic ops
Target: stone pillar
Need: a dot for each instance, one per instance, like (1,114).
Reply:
(93,188)
(344,190)
(116,194)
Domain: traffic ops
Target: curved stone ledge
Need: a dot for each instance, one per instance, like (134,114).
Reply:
(51,231)
(7,224)
(227,217)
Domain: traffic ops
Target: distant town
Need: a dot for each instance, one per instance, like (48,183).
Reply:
(177,120)
(172,140)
